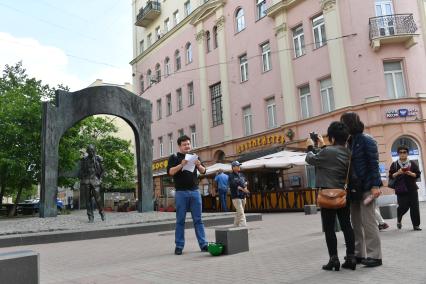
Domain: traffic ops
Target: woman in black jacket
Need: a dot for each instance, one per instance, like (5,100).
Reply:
(365,182)
(331,167)
(405,172)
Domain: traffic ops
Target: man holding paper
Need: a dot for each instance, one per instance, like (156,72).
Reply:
(183,168)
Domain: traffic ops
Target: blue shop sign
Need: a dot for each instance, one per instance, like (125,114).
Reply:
(402,112)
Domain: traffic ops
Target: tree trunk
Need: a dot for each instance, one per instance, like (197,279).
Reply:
(15,205)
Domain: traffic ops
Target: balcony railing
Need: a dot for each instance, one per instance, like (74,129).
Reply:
(392,25)
(398,28)
(149,13)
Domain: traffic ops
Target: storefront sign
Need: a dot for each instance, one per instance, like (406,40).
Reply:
(261,141)
(402,112)
(160,165)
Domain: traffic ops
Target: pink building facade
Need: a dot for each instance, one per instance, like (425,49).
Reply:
(231,73)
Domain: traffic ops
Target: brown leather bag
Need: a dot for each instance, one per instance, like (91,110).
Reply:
(334,198)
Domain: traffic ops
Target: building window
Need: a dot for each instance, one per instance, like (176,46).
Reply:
(149,78)
(142,82)
(157,73)
(216,97)
(167,25)
(187,7)
(215,44)
(176,18)
(159,107)
(141,46)
(240,21)
(327,97)
(266,57)
(179,99)
(247,121)
(178,64)
(167,69)
(191,99)
(305,101)
(271,112)
(208,41)
(188,53)
(169,104)
(319,31)
(394,77)
(160,142)
(193,136)
(260,9)
(149,40)
(244,68)
(298,41)
(180,132)
(157,33)
(170,136)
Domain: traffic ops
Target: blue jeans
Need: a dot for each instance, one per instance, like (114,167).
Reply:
(222,197)
(189,200)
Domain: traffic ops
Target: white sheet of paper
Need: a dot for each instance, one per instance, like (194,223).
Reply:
(190,166)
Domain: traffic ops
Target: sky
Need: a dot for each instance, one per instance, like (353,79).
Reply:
(69,42)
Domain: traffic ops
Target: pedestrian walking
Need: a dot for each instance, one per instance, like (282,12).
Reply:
(404,174)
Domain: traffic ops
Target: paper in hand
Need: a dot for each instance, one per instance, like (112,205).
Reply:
(190,166)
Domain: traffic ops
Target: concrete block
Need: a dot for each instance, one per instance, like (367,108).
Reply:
(386,199)
(388,211)
(234,239)
(19,267)
(310,209)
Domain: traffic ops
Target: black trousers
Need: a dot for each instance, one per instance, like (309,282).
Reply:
(410,201)
(328,217)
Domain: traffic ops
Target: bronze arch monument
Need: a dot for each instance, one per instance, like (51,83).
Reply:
(68,109)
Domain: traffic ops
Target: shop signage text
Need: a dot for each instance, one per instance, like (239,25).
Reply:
(160,165)
(402,112)
(261,141)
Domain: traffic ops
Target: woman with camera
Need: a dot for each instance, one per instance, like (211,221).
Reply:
(403,173)
(331,167)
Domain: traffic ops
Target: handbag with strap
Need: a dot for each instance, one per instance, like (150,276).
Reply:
(334,198)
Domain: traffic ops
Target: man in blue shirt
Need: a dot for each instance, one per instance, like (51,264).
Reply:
(222,187)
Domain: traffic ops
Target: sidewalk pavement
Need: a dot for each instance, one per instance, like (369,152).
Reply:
(284,248)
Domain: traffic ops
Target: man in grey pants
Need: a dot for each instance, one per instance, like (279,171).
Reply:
(365,181)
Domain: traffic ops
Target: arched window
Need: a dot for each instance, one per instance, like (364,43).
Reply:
(142,84)
(149,77)
(188,53)
(240,21)
(178,64)
(157,73)
(215,45)
(208,41)
(167,67)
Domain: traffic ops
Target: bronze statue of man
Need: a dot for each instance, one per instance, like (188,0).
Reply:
(90,175)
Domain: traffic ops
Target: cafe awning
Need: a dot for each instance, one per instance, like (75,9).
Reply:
(277,160)
(213,169)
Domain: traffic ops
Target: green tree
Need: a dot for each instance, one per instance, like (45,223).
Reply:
(118,160)
(20,129)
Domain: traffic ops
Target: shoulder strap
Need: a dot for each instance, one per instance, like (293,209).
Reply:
(349,164)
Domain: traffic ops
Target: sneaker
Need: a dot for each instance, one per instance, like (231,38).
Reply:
(417,228)
(178,251)
(399,226)
(205,248)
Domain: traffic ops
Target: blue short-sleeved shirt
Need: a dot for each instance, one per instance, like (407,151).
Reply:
(222,181)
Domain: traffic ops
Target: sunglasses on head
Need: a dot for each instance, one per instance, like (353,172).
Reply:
(403,152)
